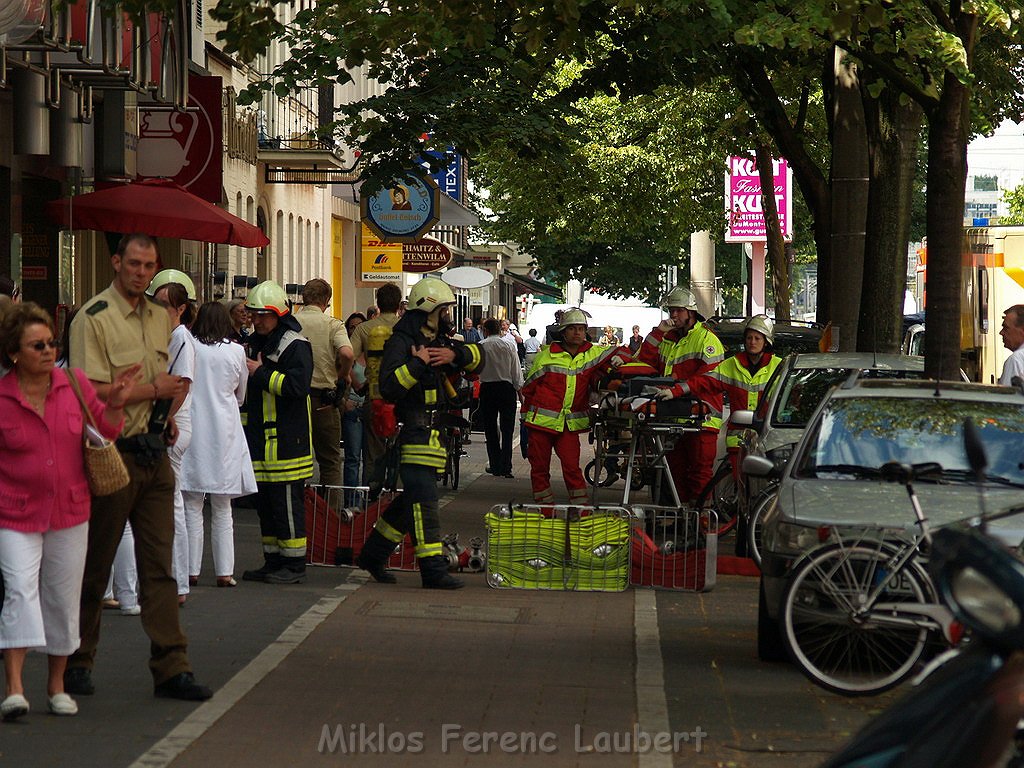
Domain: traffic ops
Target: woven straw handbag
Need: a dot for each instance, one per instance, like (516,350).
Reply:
(104,467)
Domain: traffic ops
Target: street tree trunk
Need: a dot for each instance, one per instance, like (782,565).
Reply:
(893,131)
(948,130)
(752,81)
(849,203)
(776,243)
(947,175)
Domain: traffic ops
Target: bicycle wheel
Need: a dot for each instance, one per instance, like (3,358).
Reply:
(755,525)
(720,496)
(839,646)
(446,473)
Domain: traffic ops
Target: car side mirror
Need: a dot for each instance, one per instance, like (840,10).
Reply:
(741,418)
(760,466)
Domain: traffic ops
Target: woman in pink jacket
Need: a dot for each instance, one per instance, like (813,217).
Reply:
(44,500)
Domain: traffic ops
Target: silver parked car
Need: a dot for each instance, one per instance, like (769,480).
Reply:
(832,480)
(791,396)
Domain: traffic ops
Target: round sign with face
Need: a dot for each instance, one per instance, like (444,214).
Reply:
(403,210)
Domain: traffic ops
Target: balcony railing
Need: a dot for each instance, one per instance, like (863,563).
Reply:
(292,122)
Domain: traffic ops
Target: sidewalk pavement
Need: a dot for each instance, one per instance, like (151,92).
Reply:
(341,669)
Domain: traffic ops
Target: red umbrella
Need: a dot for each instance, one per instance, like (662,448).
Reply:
(156,207)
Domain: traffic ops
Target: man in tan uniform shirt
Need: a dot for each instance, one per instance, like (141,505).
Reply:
(332,361)
(389,297)
(114,330)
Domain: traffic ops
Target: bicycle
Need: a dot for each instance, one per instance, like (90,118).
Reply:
(452,427)
(764,501)
(721,496)
(859,611)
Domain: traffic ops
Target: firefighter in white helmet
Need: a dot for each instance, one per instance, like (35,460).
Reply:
(556,404)
(418,363)
(277,428)
(682,347)
(743,377)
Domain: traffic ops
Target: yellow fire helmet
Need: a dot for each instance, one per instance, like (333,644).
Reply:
(763,325)
(429,294)
(168,276)
(268,296)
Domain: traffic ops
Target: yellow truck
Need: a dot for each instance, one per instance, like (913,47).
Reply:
(993,281)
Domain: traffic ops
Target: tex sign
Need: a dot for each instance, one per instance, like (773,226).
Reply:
(743,200)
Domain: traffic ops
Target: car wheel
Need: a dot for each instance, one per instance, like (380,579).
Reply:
(771,646)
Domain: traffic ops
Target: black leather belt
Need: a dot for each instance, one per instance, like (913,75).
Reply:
(146,448)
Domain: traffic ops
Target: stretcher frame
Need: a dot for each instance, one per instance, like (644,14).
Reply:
(650,441)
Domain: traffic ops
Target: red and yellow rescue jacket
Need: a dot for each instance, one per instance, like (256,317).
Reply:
(741,383)
(556,394)
(683,356)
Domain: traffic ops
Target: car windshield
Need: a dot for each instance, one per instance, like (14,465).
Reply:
(804,389)
(856,436)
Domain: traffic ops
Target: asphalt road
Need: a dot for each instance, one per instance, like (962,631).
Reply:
(307,674)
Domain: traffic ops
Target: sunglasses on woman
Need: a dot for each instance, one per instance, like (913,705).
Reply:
(39,346)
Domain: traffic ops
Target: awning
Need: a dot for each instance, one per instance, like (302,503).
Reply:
(535,286)
(455,214)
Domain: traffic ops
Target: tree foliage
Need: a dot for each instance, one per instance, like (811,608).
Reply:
(480,76)
(1014,199)
(639,176)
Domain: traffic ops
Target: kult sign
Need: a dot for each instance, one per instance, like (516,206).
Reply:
(743,200)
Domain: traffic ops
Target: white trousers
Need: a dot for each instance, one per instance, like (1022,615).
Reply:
(42,588)
(123,585)
(222,532)
(179,559)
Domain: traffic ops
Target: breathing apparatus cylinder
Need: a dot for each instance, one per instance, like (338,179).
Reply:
(375,342)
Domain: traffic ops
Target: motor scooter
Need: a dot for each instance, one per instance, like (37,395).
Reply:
(966,711)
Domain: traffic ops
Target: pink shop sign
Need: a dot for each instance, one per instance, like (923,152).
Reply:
(743,200)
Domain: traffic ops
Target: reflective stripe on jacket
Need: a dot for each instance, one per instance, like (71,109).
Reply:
(684,356)
(743,388)
(556,394)
(277,417)
(419,390)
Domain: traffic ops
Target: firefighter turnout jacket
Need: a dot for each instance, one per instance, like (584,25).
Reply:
(742,382)
(276,417)
(556,394)
(419,390)
(683,356)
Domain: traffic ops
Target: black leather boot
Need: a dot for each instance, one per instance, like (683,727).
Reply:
(434,574)
(271,563)
(292,570)
(373,558)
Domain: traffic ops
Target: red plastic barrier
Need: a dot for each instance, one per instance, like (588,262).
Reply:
(652,568)
(334,540)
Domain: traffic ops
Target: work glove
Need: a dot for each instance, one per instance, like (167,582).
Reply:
(666,325)
(657,393)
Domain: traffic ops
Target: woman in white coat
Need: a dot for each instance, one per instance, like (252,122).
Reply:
(175,292)
(217,463)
